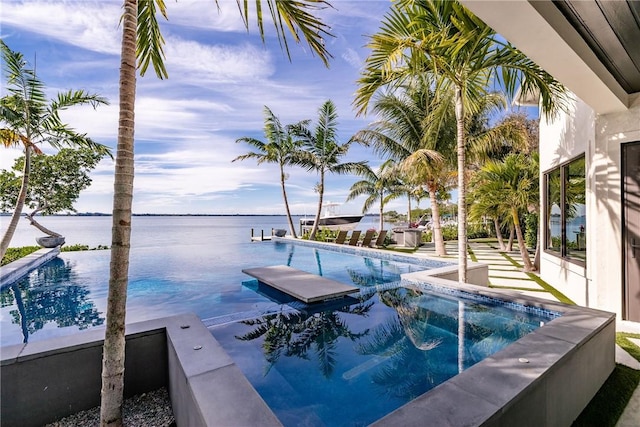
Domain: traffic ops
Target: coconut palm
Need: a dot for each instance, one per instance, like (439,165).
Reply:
(28,120)
(485,205)
(280,148)
(465,56)
(513,183)
(404,133)
(378,185)
(142,41)
(321,151)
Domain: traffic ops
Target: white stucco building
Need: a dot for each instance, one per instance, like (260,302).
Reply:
(590,156)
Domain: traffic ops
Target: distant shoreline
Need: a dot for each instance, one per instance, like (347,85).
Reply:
(153,214)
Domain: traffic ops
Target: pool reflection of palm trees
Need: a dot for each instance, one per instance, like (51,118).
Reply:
(413,357)
(50,296)
(296,334)
(435,327)
(378,271)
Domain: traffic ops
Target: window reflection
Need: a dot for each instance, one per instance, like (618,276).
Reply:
(575,218)
(554,220)
(565,211)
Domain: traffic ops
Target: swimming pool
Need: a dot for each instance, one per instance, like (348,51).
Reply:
(546,377)
(69,293)
(351,365)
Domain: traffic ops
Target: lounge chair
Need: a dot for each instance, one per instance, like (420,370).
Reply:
(341,237)
(355,236)
(368,237)
(380,240)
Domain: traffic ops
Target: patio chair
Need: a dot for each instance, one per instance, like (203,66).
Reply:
(341,237)
(355,236)
(368,237)
(380,240)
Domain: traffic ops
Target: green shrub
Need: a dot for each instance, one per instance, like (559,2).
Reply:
(74,248)
(450,232)
(477,231)
(17,253)
(531,229)
(77,247)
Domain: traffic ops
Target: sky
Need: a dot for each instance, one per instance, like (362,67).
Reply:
(220,79)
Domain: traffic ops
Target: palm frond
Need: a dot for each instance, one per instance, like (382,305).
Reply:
(149,43)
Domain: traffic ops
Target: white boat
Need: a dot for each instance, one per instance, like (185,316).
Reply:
(331,221)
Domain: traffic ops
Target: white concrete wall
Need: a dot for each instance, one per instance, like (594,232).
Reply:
(599,137)
(606,254)
(570,135)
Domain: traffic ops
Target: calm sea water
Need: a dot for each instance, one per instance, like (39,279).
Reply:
(148,231)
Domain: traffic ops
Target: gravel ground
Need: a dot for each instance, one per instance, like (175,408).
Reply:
(151,409)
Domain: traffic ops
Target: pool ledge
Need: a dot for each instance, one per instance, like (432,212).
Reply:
(44,381)
(17,269)
(546,378)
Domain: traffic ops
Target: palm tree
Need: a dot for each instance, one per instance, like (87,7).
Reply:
(513,183)
(379,186)
(403,132)
(465,56)
(28,120)
(280,149)
(485,205)
(321,152)
(142,40)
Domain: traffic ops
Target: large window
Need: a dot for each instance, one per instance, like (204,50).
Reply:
(565,231)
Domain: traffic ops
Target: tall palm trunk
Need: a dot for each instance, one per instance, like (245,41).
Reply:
(316,223)
(438,239)
(521,243)
(408,211)
(462,189)
(512,234)
(496,224)
(286,203)
(22,196)
(382,210)
(114,341)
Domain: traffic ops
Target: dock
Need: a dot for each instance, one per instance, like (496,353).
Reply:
(299,284)
(261,237)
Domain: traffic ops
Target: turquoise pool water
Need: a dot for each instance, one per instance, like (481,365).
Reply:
(352,364)
(69,293)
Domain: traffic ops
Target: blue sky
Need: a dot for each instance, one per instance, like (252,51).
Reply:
(220,78)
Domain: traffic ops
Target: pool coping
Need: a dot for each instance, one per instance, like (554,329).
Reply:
(19,268)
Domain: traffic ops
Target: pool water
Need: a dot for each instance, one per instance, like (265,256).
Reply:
(351,365)
(69,293)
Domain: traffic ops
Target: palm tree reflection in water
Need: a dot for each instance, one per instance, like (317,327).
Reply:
(50,294)
(433,338)
(296,334)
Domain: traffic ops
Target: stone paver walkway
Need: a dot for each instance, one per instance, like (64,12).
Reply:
(505,272)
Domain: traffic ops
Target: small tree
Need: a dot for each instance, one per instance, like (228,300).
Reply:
(55,185)
(27,120)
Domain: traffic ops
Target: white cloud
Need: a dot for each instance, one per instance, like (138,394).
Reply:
(92,25)
(353,58)
(201,64)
